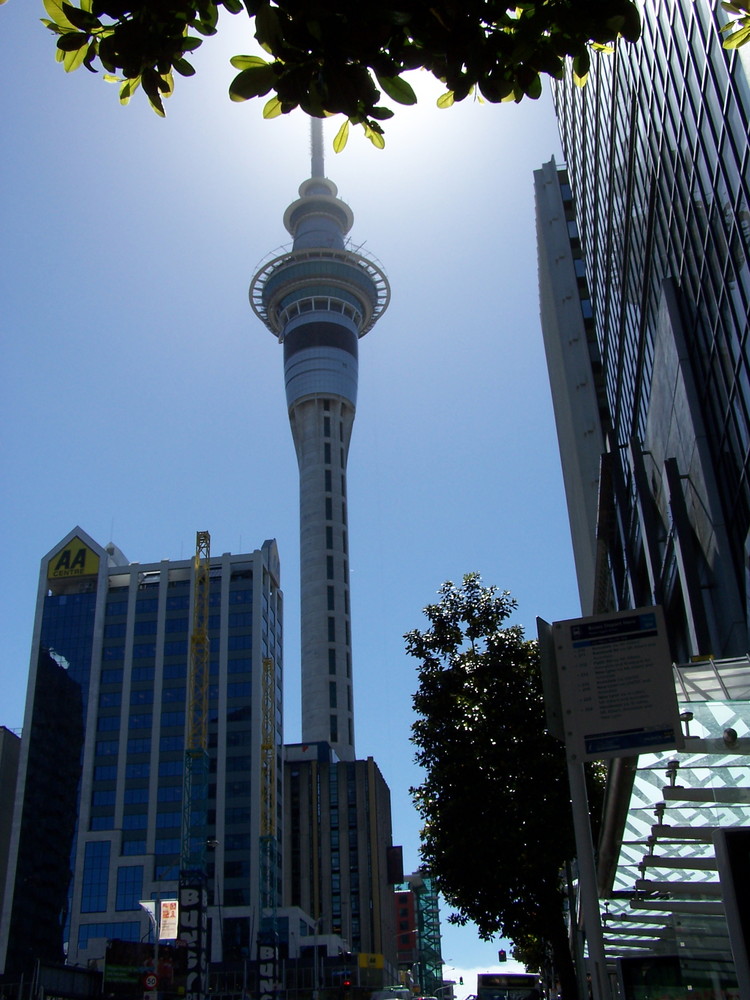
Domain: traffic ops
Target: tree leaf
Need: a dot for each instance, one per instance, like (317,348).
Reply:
(80,19)
(342,137)
(253,82)
(376,138)
(738,38)
(273,108)
(128,88)
(248,62)
(267,26)
(183,67)
(74,59)
(55,11)
(397,89)
(72,41)
(446,100)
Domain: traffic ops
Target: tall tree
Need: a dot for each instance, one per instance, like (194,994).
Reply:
(494,801)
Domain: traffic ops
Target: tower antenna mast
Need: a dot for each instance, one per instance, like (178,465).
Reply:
(316,148)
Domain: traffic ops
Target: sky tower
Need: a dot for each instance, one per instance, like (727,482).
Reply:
(319,298)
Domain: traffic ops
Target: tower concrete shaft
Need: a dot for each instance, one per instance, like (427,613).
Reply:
(319,299)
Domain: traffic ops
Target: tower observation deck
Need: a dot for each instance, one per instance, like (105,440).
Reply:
(319,298)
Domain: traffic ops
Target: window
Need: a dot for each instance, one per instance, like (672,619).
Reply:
(332,694)
(104,797)
(95,876)
(140,721)
(129,887)
(134,821)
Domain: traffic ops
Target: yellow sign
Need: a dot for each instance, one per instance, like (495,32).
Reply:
(76,559)
(373,961)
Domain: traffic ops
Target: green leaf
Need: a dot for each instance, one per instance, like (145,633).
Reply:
(581,66)
(738,38)
(72,60)
(253,82)
(446,100)
(533,87)
(80,19)
(72,41)
(55,10)
(381,114)
(342,137)
(233,6)
(248,62)
(273,108)
(376,138)
(128,88)
(183,67)
(267,26)
(397,89)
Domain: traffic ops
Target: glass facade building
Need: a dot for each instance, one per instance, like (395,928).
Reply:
(644,239)
(99,806)
(656,201)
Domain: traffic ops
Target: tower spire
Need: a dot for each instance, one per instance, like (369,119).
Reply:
(319,299)
(316,148)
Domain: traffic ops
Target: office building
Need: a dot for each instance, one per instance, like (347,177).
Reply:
(338,864)
(319,299)
(644,236)
(99,806)
(10,752)
(656,201)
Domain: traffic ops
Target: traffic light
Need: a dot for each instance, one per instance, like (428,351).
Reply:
(460,980)
(502,955)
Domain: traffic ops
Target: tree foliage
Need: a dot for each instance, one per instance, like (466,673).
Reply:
(494,801)
(335,56)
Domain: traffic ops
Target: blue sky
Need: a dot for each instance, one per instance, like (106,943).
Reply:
(143,400)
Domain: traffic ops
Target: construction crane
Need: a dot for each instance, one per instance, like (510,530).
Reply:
(193,892)
(267,938)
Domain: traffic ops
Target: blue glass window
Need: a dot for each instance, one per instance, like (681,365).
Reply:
(139,745)
(140,721)
(173,718)
(140,770)
(135,795)
(129,887)
(134,821)
(102,822)
(95,876)
(127,930)
(130,847)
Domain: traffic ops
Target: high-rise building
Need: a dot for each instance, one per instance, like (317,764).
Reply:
(338,864)
(319,298)
(99,806)
(10,752)
(644,245)
(654,203)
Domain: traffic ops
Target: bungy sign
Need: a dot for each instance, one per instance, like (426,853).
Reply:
(193,924)
(617,690)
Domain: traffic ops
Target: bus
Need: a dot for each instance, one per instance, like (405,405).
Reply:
(508,986)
